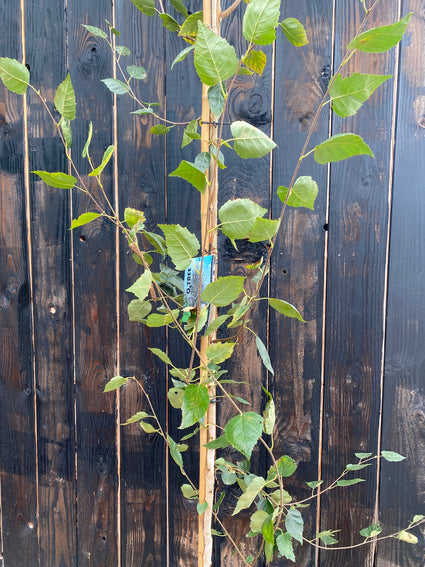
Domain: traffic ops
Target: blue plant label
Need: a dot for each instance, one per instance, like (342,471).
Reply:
(191,281)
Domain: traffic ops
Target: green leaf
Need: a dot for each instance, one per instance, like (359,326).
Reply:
(83,219)
(161,355)
(137,417)
(223,290)
(105,160)
(143,111)
(268,552)
(339,147)
(219,443)
(371,531)
(195,403)
(262,351)
(260,20)
(87,144)
(407,537)
(136,72)
(327,537)
(269,416)
(363,455)
(142,285)
(285,308)
(378,40)
(189,28)
(66,132)
(188,133)
(250,494)
(147,427)
(145,6)
(284,546)
(57,179)
(349,482)
(263,229)
(191,173)
(169,23)
(257,520)
(201,508)
(157,241)
(180,7)
(314,484)
(15,75)
(122,50)
(174,451)
(255,61)
(417,518)
(96,31)
(160,319)
(238,217)
(303,193)
(294,32)
(218,321)
(138,310)
(182,55)
(189,492)
(115,383)
(175,397)
(116,86)
(249,141)
(268,530)
(286,466)
(392,457)
(134,218)
(160,129)
(356,467)
(216,99)
(350,93)
(294,524)
(219,352)
(182,245)
(215,59)
(65,99)
(243,432)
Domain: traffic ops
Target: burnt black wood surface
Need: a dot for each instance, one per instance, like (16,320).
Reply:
(77,489)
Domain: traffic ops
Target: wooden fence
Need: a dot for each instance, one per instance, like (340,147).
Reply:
(76,488)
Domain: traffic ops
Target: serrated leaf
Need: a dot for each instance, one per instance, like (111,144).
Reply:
(260,20)
(219,352)
(392,457)
(257,520)
(180,7)
(262,351)
(169,23)
(218,321)
(138,310)
(105,160)
(216,99)
(191,128)
(182,245)
(371,531)
(65,99)
(189,492)
(219,443)
(339,147)
(15,75)
(250,494)
(407,537)
(96,31)
(327,537)
(238,217)
(417,518)
(294,524)
(263,229)
(249,141)
(134,217)
(243,432)
(189,28)
(182,55)
(378,40)
(201,508)
(192,174)
(142,285)
(116,86)
(137,417)
(284,546)
(161,355)
(160,319)
(145,6)
(294,32)
(223,290)
(268,530)
(195,404)
(349,94)
(175,397)
(303,193)
(157,241)
(256,61)
(174,451)
(57,179)
(122,50)
(215,59)
(286,466)
(136,72)
(160,129)
(285,308)
(349,482)
(115,383)
(83,219)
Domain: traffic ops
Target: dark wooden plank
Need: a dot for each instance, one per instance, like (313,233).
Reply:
(51,253)
(302,76)
(141,167)
(17,399)
(94,301)
(402,492)
(358,221)
(183,207)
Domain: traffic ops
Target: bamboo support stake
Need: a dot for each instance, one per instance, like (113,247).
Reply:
(209,244)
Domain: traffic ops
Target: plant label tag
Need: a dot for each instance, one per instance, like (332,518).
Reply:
(192,281)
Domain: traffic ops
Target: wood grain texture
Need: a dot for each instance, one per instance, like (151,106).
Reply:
(51,254)
(297,270)
(402,493)
(358,224)
(17,408)
(141,171)
(94,300)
